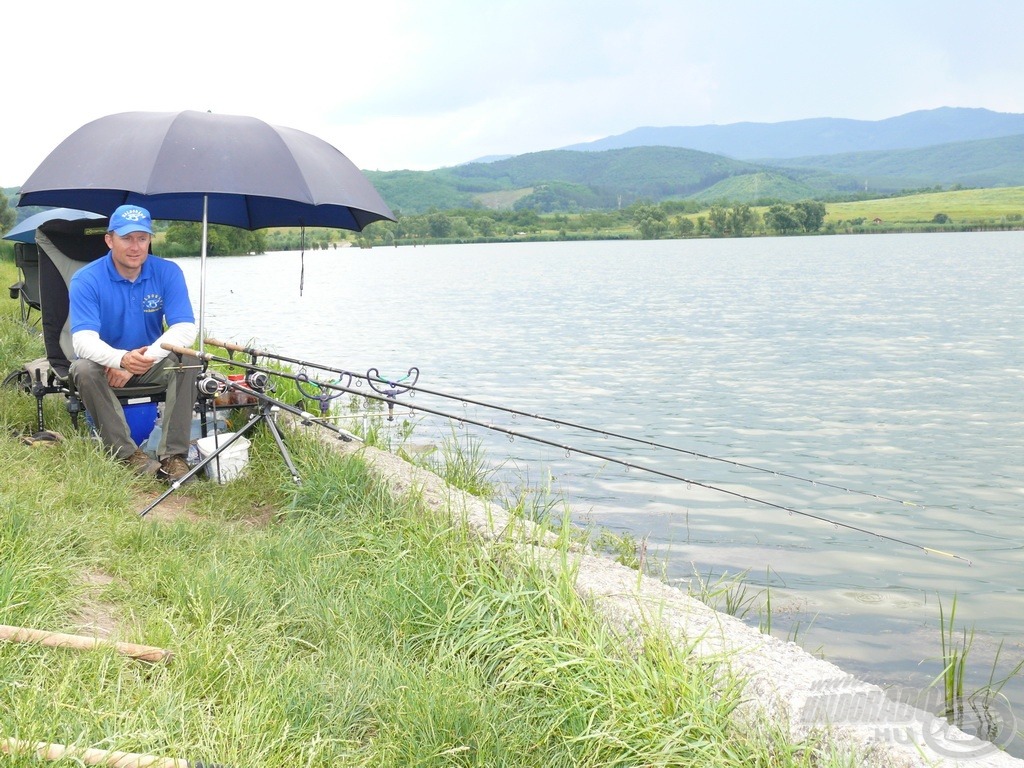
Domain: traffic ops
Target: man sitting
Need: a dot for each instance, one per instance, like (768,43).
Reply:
(119,304)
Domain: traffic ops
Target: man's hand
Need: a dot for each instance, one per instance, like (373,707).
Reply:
(135,362)
(117,378)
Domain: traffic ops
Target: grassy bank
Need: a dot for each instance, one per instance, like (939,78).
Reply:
(322,625)
(965,207)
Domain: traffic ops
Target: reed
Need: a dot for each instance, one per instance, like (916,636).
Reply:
(979,709)
(954,660)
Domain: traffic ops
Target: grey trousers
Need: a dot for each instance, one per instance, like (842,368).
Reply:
(107,414)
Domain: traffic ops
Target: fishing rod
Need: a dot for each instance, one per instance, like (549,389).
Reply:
(370,378)
(210,383)
(569,449)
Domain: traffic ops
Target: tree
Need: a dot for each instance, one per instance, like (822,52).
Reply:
(810,213)
(683,226)
(782,219)
(650,221)
(485,226)
(7,214)
(718,221)
(187,238)
(439,225)
(741,220)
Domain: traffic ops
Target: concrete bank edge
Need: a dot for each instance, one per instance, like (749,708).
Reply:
(782,681)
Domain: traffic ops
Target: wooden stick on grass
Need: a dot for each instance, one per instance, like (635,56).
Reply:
(82,643)
(89,756)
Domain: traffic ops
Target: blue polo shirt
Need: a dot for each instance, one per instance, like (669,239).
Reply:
(129,315)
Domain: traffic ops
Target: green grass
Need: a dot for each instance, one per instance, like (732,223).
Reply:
(324,625)
(954,659)
(962,706)
(502,199)
(991,206)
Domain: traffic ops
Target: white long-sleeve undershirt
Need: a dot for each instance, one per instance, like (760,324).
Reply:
(90,346)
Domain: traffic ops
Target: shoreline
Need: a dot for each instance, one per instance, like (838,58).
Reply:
(783,682)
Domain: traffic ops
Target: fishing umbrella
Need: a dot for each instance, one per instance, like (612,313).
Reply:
(25,231)
(199,166)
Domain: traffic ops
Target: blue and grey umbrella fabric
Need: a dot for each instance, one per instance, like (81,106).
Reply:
(244,172)
(25,230)
(199,166)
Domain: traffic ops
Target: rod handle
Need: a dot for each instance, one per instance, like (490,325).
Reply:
(225,345)
(185,351)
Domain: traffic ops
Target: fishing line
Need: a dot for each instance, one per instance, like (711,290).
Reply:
(628,465)
(570,424)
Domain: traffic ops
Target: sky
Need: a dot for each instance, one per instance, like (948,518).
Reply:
(422,84)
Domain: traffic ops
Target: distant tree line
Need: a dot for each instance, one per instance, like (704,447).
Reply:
(7,213)
(185,238)
(644,220)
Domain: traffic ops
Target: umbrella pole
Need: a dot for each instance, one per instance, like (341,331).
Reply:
(202,277)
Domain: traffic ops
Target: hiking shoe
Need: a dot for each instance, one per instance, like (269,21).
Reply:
(173,468)
(141,463)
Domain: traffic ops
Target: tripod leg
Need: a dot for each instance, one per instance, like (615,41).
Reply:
(279,439)
(206,460)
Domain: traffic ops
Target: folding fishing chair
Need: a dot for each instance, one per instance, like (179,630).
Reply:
(63,248)
(26,290)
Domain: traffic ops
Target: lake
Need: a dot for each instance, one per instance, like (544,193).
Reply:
(890,365)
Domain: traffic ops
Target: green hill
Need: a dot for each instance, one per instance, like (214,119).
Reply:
(562,179)
(559,181)
(754,187)
(981,163)
(566,181)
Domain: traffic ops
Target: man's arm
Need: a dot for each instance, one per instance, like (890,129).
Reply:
(90,346)
(179,334)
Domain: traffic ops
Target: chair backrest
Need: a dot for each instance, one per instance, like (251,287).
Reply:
(64,248)
(26,258)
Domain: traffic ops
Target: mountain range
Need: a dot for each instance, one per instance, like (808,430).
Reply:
(820,158)
(823,135)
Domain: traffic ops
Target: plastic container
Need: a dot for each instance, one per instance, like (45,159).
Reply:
(153,443)
(230,462)
(141,418)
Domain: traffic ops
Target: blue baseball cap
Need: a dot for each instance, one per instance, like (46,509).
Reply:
(130,218)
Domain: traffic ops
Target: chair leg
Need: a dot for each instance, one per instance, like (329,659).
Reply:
(39,390)
(74,407)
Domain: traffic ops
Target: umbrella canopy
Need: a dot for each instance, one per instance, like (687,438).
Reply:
(199,166)
(250,174)
(25,231)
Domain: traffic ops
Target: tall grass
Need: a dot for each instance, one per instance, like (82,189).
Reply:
(954,660)
(979,709)
(325,624)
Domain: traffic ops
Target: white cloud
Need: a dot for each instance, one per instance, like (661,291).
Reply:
(403,83)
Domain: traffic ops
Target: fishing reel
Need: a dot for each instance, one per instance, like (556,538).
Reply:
(258,381)
(209,385)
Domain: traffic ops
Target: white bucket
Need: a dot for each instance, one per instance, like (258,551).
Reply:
(230,462)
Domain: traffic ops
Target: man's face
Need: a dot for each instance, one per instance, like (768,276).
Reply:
(129,251)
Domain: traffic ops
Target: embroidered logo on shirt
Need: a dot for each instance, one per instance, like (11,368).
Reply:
(152,302)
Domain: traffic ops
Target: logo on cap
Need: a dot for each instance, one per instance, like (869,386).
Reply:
(130,218)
